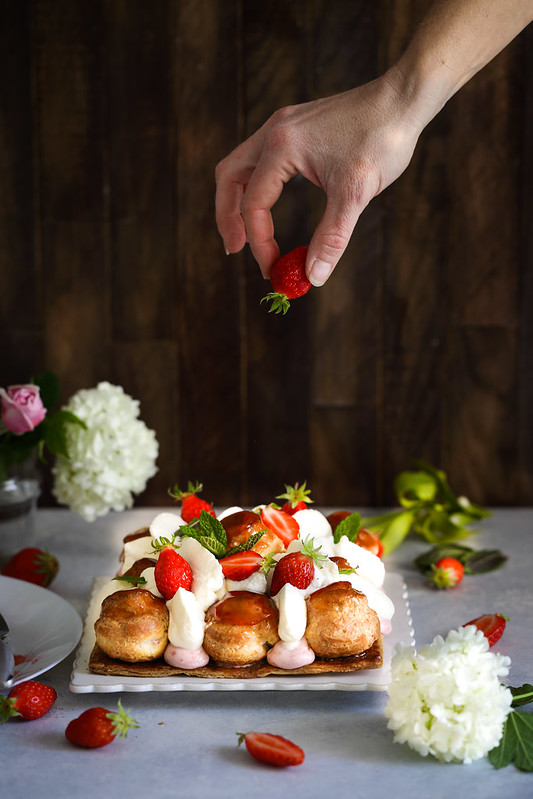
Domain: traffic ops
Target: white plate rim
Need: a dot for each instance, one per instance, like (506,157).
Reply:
(83,681)
(55,636)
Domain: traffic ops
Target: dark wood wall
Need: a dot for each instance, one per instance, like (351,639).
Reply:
(113,114)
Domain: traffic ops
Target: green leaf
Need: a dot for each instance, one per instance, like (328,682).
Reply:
(247,545)
(474,561)
(48,389)
(484,560)
(522,695)
(349,527)
(212,528)
(516,744)
(414,487)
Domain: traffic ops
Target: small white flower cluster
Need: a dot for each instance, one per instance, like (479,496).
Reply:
(111,459)
(447,699)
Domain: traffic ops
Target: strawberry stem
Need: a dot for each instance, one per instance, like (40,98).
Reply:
(279,302)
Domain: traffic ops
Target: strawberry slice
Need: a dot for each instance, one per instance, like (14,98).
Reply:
(240,565)
(491,625)
(272,749)
(281,524)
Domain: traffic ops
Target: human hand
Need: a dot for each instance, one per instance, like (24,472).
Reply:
(352,145)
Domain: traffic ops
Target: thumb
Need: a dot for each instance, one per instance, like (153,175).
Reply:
(330,240)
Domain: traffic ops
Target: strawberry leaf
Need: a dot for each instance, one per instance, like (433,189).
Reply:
(516,744)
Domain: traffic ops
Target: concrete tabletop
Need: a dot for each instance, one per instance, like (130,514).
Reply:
(186,745)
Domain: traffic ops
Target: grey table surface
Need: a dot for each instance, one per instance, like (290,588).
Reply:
(186,743)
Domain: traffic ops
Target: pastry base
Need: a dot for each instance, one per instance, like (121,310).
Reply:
(100,663)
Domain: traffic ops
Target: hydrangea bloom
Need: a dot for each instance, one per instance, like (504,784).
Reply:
(447,700)
(110,460)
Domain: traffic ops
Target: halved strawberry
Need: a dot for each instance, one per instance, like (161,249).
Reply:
(172,572)
(241,565)
(272,749)
(288,280)
(492,625)
(282,524)
(297,498)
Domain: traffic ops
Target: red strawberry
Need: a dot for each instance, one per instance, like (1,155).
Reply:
(172,572)
(491,625)
(447,572)
(32,565)
(272,749)
(282,524)
(297,498)
(288,280)
(192,505)
(98,727)
(30,700)
(296,568)
(241,565)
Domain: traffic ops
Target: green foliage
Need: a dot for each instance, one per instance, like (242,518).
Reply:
(429,507)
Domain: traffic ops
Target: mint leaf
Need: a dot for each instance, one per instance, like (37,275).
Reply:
(212,528)
(131,579)
(522,695)
(348,527)
(516,744)
(247,545)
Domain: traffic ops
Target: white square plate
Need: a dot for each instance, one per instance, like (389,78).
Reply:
(83,681)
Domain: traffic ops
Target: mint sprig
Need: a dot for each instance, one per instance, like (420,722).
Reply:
(516,743)
(349,527)
(429,507)
(475,561)
(210,533)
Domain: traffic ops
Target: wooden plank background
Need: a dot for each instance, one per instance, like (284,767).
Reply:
(113,115)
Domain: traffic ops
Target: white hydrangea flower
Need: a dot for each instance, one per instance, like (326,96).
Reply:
(110,460)
(447,699)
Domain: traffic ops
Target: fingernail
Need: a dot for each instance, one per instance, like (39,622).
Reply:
(319,272)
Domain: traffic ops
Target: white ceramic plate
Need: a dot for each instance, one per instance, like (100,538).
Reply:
(43,627)
(82,681)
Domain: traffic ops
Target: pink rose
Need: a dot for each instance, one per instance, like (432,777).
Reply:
(22,408)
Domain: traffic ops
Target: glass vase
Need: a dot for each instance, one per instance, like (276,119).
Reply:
(18,503)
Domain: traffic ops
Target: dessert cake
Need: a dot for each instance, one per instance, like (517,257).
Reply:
(247,593)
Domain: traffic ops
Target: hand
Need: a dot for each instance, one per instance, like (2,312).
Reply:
(352,145)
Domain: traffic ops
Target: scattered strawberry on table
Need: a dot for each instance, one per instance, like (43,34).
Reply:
(99,727)
(492,625)
(33,565)
(272,749)
(288,279)
(28,700)
(447,573)
(191,504)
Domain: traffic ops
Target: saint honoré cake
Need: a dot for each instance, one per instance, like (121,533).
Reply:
(245,593)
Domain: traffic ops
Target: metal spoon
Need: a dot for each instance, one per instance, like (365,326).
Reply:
(7,660)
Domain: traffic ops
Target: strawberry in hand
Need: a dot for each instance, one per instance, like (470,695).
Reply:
(280,523)
(447,572)
(32,565)
(296,498)
(288,279)
(191,504)
(272,749)
(492,625)
(296,568)
(171,572)
(98,727)
(29,700)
